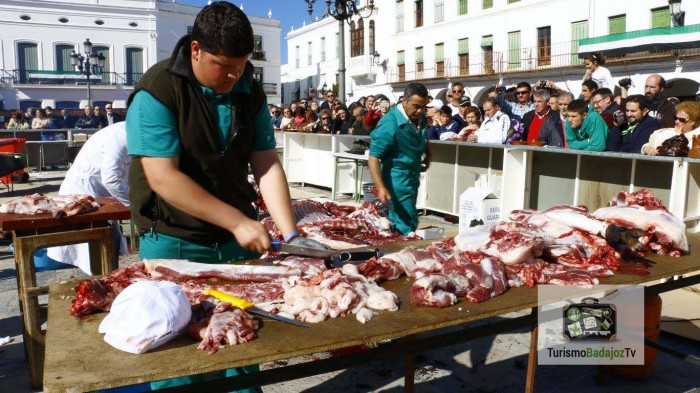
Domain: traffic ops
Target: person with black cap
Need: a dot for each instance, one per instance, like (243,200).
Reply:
(460,116)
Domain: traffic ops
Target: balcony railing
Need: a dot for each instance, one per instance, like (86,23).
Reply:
(67,78)
(558,55)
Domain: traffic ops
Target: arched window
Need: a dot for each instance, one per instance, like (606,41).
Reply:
(353,39)
(361,37)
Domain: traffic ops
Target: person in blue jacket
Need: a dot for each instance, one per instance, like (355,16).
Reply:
(397,153)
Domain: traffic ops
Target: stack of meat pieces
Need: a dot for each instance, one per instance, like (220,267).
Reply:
(563,245)
(299,288)
(58,205)
(341,226)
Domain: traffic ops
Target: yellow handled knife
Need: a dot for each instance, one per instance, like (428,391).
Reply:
(250,307)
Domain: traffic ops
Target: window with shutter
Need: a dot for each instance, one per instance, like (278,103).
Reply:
(513,50)
(487,4)
(660,17)
(463,7)
(617,24)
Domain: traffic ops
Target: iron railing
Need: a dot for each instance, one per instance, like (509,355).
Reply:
(68,78)
(564,54)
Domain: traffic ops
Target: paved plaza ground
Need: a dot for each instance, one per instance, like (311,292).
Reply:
(492,364)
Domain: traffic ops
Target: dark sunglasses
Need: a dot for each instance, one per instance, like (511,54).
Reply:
(520,93)
(325,118)
(682,120)
(458,91)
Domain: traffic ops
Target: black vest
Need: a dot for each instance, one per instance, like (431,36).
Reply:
(221,170)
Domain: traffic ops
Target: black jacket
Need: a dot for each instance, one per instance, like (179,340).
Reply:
(633,141)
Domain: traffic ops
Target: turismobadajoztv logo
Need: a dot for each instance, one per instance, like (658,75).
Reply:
(589,320)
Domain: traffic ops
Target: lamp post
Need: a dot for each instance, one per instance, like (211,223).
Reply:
(90,64)
(342,11)
(677,16)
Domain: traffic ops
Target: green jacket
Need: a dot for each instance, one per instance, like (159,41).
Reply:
(591,136)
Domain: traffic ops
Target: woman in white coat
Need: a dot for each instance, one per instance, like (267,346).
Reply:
(100,169)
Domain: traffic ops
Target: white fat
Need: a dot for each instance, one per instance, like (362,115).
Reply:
(350,269)
(364,315)
(385,300)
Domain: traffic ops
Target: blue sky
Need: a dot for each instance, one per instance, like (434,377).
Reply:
(289,12)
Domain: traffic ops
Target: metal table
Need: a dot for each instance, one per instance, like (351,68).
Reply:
(77,358)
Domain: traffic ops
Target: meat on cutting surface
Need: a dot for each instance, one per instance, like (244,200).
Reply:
(435,290)
(59,206)
(476,276)
(181,270)
(665,233)
(98,294)
(226,325)
(509,242)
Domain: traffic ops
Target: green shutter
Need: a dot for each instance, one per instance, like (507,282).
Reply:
(486,40)
(63,59)
(463,7)
(660,17)
(104,50)
(514,49)
(439,52)
(419,55)
(400,57)
(463,46)
(513,1)
(487,4)
(579,30)
(617,24)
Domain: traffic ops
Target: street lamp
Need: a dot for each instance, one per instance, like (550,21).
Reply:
(677,16)
(342,11)
(90,64)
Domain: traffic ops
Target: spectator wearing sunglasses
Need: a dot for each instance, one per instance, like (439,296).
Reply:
(687,121)
(329,102)
(456,94)
(516,110)
(324,125)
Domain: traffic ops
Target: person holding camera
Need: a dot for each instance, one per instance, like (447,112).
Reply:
(633,132)
(515,110)
(596,72)
(379,108)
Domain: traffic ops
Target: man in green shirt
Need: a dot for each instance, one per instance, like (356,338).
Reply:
(195,123)
(396,155)
(585,129)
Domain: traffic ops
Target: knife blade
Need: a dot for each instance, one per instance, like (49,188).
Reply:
(304,251)
(250,307)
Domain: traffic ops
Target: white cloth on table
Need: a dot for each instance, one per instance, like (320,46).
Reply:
(100,169)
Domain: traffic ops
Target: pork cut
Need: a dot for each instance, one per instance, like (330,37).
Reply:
(435,290)
(59,205)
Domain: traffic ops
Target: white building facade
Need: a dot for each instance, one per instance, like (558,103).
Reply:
(483,42)
(37,37)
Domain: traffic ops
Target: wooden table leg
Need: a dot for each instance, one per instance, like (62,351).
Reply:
(409,370)
(102,259)
(531,361)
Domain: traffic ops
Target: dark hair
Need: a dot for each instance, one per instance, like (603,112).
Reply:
(603,92)
(491,101)
(590,84)
(221,28)
(578,106)
(457,84)
(596,57)
(415,89)
(524,84)
(640,99)
(299,111)
(446,110)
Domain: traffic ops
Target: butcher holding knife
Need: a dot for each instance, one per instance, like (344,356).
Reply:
(195,123)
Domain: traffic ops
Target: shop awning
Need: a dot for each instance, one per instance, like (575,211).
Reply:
(665,38)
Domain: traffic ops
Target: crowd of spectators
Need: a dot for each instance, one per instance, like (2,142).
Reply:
(540,114)
(47,118)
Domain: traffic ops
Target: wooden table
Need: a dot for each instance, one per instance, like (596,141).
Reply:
(31,232)
(77,358)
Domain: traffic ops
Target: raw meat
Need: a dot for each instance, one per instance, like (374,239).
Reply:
(509,242)
(59,206)
(381,269)
(665,233)
(643,198)
(227,325)
(181,270)
(476,276)
(435,290)
(98,294)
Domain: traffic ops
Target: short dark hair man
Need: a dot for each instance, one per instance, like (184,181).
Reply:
(634,132)
(207,123)
(603,101)
(585,129)
(395,156)
(516,110)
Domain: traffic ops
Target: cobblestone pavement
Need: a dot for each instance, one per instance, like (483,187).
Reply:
(492,364)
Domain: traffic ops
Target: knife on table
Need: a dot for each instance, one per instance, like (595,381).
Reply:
(250,307)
